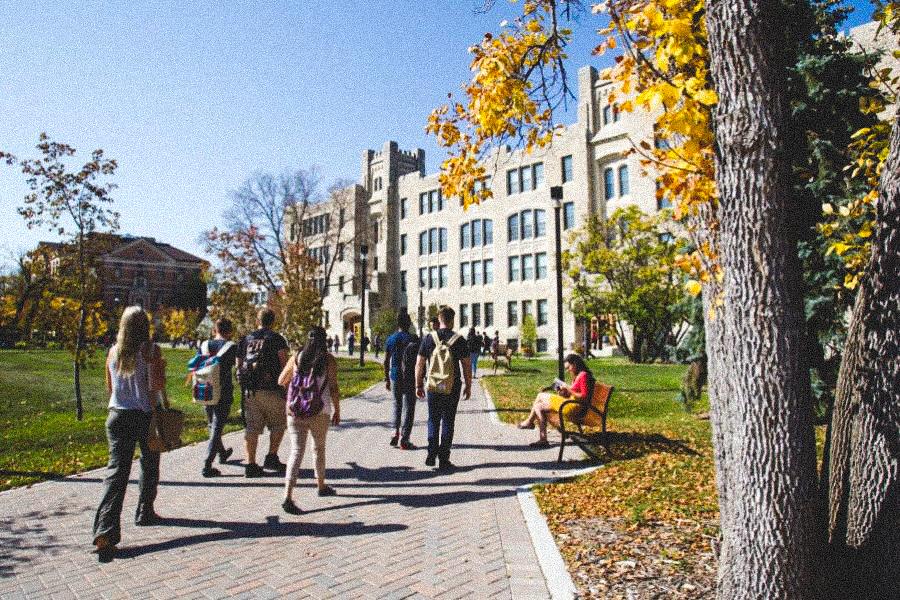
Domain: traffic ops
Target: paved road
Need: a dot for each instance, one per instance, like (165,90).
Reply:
(397,529)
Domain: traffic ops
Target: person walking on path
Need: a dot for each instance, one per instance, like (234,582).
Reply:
(404,398)
(316,361)
(135,375)
(449,365)
(217,414)
(582,389)
(378,343)
(364,343)
(351,343)
(486,344)
(473,343)
(261,357)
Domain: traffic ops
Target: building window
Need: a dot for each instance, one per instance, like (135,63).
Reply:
(609,184)
(477,277)
(538,175)
(341,284)
(512,313)
(512,344)
(463,315)
(423,277)
(541,345)
(566,168)
(540,260)
(476,315)
(623,181)
(513,268)
(423,243)
(512,181)
(402,281)
(442,239)
(540,223)
(527,267)
(527,179)
(527,225)
(432,240)
(488,314)
(607,114)
(488,232)
(476,233)
(422,198)
(568,215)
(402,244)
(512,227)
(526,308)
(432,277)
(464,274)
(464,241)
(443,276)
(541,312)
(403,206)
(488,271)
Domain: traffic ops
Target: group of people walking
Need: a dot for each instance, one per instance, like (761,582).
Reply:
(437,368)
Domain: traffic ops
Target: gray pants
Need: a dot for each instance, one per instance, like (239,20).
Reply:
(126,429)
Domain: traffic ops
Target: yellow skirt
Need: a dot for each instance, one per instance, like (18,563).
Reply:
(556,401)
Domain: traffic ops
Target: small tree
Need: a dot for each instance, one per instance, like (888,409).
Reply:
(528,335)
(384,322)
(629,264)
(180,323)
(230,300)
(74,205)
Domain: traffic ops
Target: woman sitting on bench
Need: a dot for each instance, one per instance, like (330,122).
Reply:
(548,402)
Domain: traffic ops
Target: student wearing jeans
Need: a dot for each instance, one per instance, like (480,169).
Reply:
(217,415)
(135,373)
(316,359)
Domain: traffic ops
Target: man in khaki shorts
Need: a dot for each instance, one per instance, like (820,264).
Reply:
(261,356)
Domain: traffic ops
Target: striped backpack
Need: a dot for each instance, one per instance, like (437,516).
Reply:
(205,375)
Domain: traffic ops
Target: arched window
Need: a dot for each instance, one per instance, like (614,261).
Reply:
(623,180)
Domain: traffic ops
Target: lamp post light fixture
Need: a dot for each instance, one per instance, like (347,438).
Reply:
(556,194)
(363,254)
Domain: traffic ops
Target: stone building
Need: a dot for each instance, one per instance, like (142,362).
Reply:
(494,262)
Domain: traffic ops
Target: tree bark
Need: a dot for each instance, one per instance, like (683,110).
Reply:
(761,401)
(864,466)
(79,336)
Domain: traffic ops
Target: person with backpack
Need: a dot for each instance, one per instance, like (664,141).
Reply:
(135,380)
(377,345)
(473,342)
(261,357)
(313,402)
(404,399)
(449,365)
(351,343)
(217,414)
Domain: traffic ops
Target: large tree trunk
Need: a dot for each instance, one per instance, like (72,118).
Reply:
(764,420)
(864,475)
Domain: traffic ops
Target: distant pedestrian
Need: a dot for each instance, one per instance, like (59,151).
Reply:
(378,342)
(449,365)
(261,357)
(364,344)
(329,342)
(473,344)
(351,343)
(337,343)
(319,368)
(486,344)
(217,414)
(404,397)
(135,376)
(495,345)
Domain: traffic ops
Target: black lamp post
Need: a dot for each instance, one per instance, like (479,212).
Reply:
(363,254)
(421,313)
(556,194)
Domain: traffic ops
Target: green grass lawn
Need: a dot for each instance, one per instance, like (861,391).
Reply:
(40,437)
(662,463)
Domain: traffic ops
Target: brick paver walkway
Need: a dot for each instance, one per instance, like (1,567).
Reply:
(397,529)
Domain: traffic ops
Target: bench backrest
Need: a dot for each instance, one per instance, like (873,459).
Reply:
(602,392)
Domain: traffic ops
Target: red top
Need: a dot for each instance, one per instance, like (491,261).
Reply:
(579,386)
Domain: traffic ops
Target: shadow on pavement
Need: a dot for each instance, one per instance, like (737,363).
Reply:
(273,528)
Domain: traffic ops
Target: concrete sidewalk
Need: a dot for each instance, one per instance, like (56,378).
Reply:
(397,529)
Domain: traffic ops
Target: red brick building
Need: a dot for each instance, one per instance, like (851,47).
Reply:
(152,274)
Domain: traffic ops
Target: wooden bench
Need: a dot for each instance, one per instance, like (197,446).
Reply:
(504,355)
(571,424)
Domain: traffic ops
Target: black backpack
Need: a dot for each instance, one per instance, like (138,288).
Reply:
(250,372)
(407,370)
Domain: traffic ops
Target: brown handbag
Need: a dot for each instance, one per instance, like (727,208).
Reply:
(166,426)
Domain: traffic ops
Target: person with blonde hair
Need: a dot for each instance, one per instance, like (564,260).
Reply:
(135,376)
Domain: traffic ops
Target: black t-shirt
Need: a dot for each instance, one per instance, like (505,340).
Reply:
(459,349)
(270,364)
(226,364)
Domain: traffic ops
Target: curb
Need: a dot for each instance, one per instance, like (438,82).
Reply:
(556,574)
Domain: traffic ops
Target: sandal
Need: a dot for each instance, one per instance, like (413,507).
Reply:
(540,444)
(524,425)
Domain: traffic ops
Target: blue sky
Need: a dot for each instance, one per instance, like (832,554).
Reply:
(191,99)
